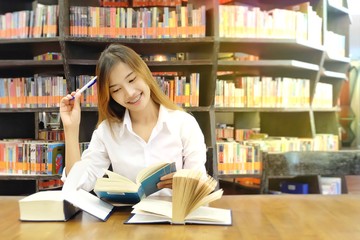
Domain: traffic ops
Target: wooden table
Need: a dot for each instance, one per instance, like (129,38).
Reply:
(254,217)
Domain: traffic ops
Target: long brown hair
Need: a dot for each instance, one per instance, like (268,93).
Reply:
(113,54)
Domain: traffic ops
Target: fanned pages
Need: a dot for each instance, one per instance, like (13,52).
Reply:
(189,189)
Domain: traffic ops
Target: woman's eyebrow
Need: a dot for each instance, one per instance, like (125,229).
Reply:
(125,79)
(129,74)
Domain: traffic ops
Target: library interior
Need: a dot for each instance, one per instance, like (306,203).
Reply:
(270,87)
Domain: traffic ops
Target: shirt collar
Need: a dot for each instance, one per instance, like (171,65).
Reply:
(162,120)
(126,123)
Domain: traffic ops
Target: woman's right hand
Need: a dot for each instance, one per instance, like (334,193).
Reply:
(70,111)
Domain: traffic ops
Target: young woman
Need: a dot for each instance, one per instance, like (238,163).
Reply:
(137,125)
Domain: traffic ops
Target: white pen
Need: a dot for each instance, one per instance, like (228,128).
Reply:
(86,86)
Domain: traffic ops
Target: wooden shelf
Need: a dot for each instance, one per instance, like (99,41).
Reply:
(11,176)
(266,46)
(29,63)
(335,75)
(148,45)
(29,110)
(240,175)
(179,63)
(29,40)
(285,68)
(260,109)
(341,59)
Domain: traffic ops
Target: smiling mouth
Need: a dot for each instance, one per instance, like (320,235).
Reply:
(136,99)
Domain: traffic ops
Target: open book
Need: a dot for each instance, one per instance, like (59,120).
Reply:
(119,189)
(191,191)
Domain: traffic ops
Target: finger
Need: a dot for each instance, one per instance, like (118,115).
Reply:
(65,101)
(162,186)
(165,184)
(167,176)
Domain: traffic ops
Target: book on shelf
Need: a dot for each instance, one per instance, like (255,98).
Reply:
(46,206)
(330,185)
(29,156)
(119,189)
(192,191)
(133,22)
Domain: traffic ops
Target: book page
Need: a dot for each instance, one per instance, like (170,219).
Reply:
(143,218)
(157,207)
(146,172)
(112,185)
(54,195)
(210,215)
(204,187)
(159,211)
(118,177)
(189,189)
(208,199)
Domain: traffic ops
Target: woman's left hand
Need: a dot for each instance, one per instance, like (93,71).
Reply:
(166,181)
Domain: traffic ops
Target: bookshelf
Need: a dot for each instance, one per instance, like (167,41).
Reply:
(290,57)
(279,57)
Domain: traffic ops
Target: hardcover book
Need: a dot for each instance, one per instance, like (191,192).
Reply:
(46,206)
(119,189)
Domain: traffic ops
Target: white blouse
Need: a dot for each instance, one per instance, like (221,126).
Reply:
(176,137)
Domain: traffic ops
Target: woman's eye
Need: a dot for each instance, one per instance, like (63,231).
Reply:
(131,80)
(116,90)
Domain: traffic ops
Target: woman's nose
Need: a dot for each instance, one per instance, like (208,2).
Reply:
(129,91)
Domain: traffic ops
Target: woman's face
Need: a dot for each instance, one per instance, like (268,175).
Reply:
(128,89)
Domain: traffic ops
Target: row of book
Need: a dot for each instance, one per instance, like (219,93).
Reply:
(29,156)
(255,91)
(182,90)
(323,96)
(83,146)
(321,142)
(48,56)
(154,22)
(299,22)
(51,134)
(49,184)
(139,3)
(237,158)
(47,91)
(32,92)
(244,157)
(224,131)
(19,156)
(42,21)
(262,91)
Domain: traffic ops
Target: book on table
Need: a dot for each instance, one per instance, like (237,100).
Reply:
(58,205)
(118,189)
(46,206)
(192,191)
